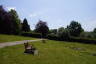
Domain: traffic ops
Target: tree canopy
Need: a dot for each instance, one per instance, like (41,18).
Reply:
(25,26)
(9,21)
(75,28)
(94,30)
(53,31)
(16,23)
(41,27)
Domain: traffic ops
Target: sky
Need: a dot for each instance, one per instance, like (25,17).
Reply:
(57,13)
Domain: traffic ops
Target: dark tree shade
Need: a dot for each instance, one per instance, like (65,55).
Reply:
(25,26)
(5,21)
(53,31)
(16,23)
(60,30)
(75,28)
(41,27)
(94,30)
(9,22)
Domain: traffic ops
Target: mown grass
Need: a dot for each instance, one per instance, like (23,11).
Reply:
(51,52)
(9,38)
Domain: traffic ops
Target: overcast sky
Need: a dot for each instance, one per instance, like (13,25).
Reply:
(57,13)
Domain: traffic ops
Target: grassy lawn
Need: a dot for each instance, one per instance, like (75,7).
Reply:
(52,52)
(9,38)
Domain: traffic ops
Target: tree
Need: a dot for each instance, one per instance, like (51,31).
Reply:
(25,26)
(5,21)
(63,34)
(53,31)
(15,22)
(9,22)
(94,30)
(60,30)
(41,27)
(75,28)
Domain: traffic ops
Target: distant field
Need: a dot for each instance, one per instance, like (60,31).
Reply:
(8,38)
(52,52)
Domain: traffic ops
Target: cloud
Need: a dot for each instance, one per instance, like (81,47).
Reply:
(33,15)
(11,8)
(39,13)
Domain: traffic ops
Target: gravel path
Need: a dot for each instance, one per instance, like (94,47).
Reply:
(2,45)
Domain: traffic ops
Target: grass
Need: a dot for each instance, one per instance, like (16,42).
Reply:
(51,52)
(9,38)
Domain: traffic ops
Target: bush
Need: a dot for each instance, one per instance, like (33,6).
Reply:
(31,34)
(83,40)
(52,37)
(90,35)
(71,39)
(64,35)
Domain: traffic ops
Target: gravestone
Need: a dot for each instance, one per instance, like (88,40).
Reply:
(29,49)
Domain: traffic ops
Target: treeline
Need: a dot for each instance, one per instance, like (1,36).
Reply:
(10,23)
(73,32)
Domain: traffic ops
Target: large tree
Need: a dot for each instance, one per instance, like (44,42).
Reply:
(16,23)
(25,26)
(5,21)
(53,31)
(75,28)
(63,34)
(9,21)
(60,30)
(94,30)
(41,27)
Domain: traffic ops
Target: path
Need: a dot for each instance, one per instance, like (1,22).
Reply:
(2,45)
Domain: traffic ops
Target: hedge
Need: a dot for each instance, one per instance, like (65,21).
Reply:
(55,37)
(31,34)
(83,40)
(52,37)
(72,39)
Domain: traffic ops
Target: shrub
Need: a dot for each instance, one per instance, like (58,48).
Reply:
(83,40)
(52,37)
(31,34)
(64,35)
(90,35)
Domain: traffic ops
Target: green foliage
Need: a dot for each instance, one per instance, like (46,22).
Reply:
(63,34)
(9,22)
(53,31)
(94,30)
(31,34)
(52,36)
(5,21)
(16,23)
(83,40)
(25,26)
(75,28)
(60,31)
(41,27)
(90,35)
